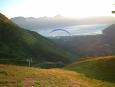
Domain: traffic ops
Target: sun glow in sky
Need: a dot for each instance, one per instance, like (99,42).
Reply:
(67,8)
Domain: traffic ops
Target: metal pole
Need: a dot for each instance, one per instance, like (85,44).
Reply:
(29,62)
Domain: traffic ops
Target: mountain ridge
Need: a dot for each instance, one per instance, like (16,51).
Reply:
(16,42)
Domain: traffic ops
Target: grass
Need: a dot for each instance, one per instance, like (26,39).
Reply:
(19,76)
(100,68)
(42,77)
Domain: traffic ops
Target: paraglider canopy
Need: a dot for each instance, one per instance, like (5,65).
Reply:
(55,30)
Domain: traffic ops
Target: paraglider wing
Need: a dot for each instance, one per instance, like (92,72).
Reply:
(60,30)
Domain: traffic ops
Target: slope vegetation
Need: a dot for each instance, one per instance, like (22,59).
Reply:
(101,68)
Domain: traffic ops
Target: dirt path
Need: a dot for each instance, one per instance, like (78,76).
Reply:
(29,82)
(74,84)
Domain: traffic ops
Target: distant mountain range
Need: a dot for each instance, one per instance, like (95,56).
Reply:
(91,45)
(19,44)
(43,23)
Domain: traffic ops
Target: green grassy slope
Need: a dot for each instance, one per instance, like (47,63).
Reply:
(18,43)
(101,68)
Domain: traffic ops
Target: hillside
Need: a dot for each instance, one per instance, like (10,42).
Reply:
(18,44)
(16,76)
(84,46)
(109,36)
(101,68)
(90,45)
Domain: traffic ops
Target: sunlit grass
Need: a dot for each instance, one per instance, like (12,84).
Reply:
(17,76)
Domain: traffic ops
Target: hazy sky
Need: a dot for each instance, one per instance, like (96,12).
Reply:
(67,8)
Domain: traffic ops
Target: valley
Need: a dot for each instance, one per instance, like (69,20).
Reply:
(28,59)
